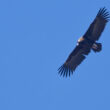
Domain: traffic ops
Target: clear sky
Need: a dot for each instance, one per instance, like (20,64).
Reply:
(36,37)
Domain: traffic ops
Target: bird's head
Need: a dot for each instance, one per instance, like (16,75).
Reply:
(80,39)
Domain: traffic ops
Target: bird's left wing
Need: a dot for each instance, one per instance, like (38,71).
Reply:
(98,25)
(74,59)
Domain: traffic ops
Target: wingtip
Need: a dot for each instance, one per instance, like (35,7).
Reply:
(104,13)
(64,71)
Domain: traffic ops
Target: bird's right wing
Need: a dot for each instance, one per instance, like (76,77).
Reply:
(74,59)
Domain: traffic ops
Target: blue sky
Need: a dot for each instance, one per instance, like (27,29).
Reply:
(36,37)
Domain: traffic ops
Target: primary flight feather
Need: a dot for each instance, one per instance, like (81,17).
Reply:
(86,43)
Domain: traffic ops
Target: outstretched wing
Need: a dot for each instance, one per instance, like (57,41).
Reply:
(74,59)
(98,25)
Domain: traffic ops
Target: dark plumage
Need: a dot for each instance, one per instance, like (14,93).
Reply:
(86,43)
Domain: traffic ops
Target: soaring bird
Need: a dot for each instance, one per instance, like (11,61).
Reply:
(86,43)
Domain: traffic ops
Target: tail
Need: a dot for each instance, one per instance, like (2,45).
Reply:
(97,47)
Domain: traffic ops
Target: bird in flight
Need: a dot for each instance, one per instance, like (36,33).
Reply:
(86,43)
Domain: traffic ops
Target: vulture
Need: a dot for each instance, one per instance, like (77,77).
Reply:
(86,43)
